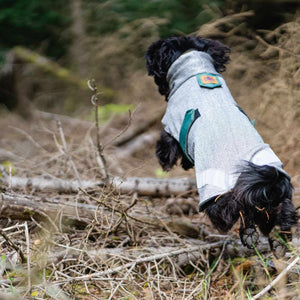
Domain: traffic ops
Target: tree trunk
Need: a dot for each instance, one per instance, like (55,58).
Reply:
(78,51)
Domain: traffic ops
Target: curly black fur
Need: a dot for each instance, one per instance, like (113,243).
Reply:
(262,186)
(161,54)
(265,196)
(168,151)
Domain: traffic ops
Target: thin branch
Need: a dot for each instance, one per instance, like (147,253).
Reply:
(14,246)
(100,157)
(278,278)
(65,148)
(122,131)
(28,256)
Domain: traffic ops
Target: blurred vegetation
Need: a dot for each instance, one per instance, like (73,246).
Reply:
(183,16)
(105,40)
(45,25)
(34,24)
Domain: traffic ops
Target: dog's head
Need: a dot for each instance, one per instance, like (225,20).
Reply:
(161,54)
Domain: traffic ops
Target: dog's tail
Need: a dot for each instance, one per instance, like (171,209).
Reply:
(262,186)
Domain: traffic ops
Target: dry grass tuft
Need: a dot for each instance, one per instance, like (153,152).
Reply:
(266,81)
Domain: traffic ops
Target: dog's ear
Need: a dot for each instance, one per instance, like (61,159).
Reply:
(158,60)
(218,51)
(168,151)
(153,58)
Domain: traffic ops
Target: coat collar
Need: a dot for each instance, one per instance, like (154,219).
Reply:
(187,65)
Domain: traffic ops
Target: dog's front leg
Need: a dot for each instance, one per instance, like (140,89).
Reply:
(248,233)
(223,212)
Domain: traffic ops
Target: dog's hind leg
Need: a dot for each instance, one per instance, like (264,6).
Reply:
(248,233)
(286,218)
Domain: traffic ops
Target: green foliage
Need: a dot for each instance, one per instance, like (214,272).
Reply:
(105,112)
(160,173)
(9,167)
(184,16)
(34,23)
(45,24)
(2,261)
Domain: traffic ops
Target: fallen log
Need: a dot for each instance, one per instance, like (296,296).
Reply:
(143,186)
(141,128)
(26,208)
(21,207)
(183,255)
(16,84)
(141,142)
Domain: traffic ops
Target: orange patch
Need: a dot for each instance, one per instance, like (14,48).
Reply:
(206,79)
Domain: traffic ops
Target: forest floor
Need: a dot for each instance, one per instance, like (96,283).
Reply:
(125,245)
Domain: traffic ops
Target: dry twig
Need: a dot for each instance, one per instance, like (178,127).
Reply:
(100,156)
(277,279)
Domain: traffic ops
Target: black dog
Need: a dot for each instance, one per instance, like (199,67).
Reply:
(238,176)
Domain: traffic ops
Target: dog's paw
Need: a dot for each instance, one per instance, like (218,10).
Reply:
(181,206)
(279,249)
(249,237)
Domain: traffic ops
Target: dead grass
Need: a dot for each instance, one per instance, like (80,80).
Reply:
(266,82)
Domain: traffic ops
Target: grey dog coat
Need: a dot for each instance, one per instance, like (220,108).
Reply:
(214,132)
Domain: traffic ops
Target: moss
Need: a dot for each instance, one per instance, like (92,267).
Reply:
(56,70)
(106,111)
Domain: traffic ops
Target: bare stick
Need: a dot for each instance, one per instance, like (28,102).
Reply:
(122,131)
(283,273)
(30,138)
(28,256)
(65,148)
(125,277)
(100,157)
(13,245)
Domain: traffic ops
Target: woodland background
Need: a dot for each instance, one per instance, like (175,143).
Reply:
(79,220)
